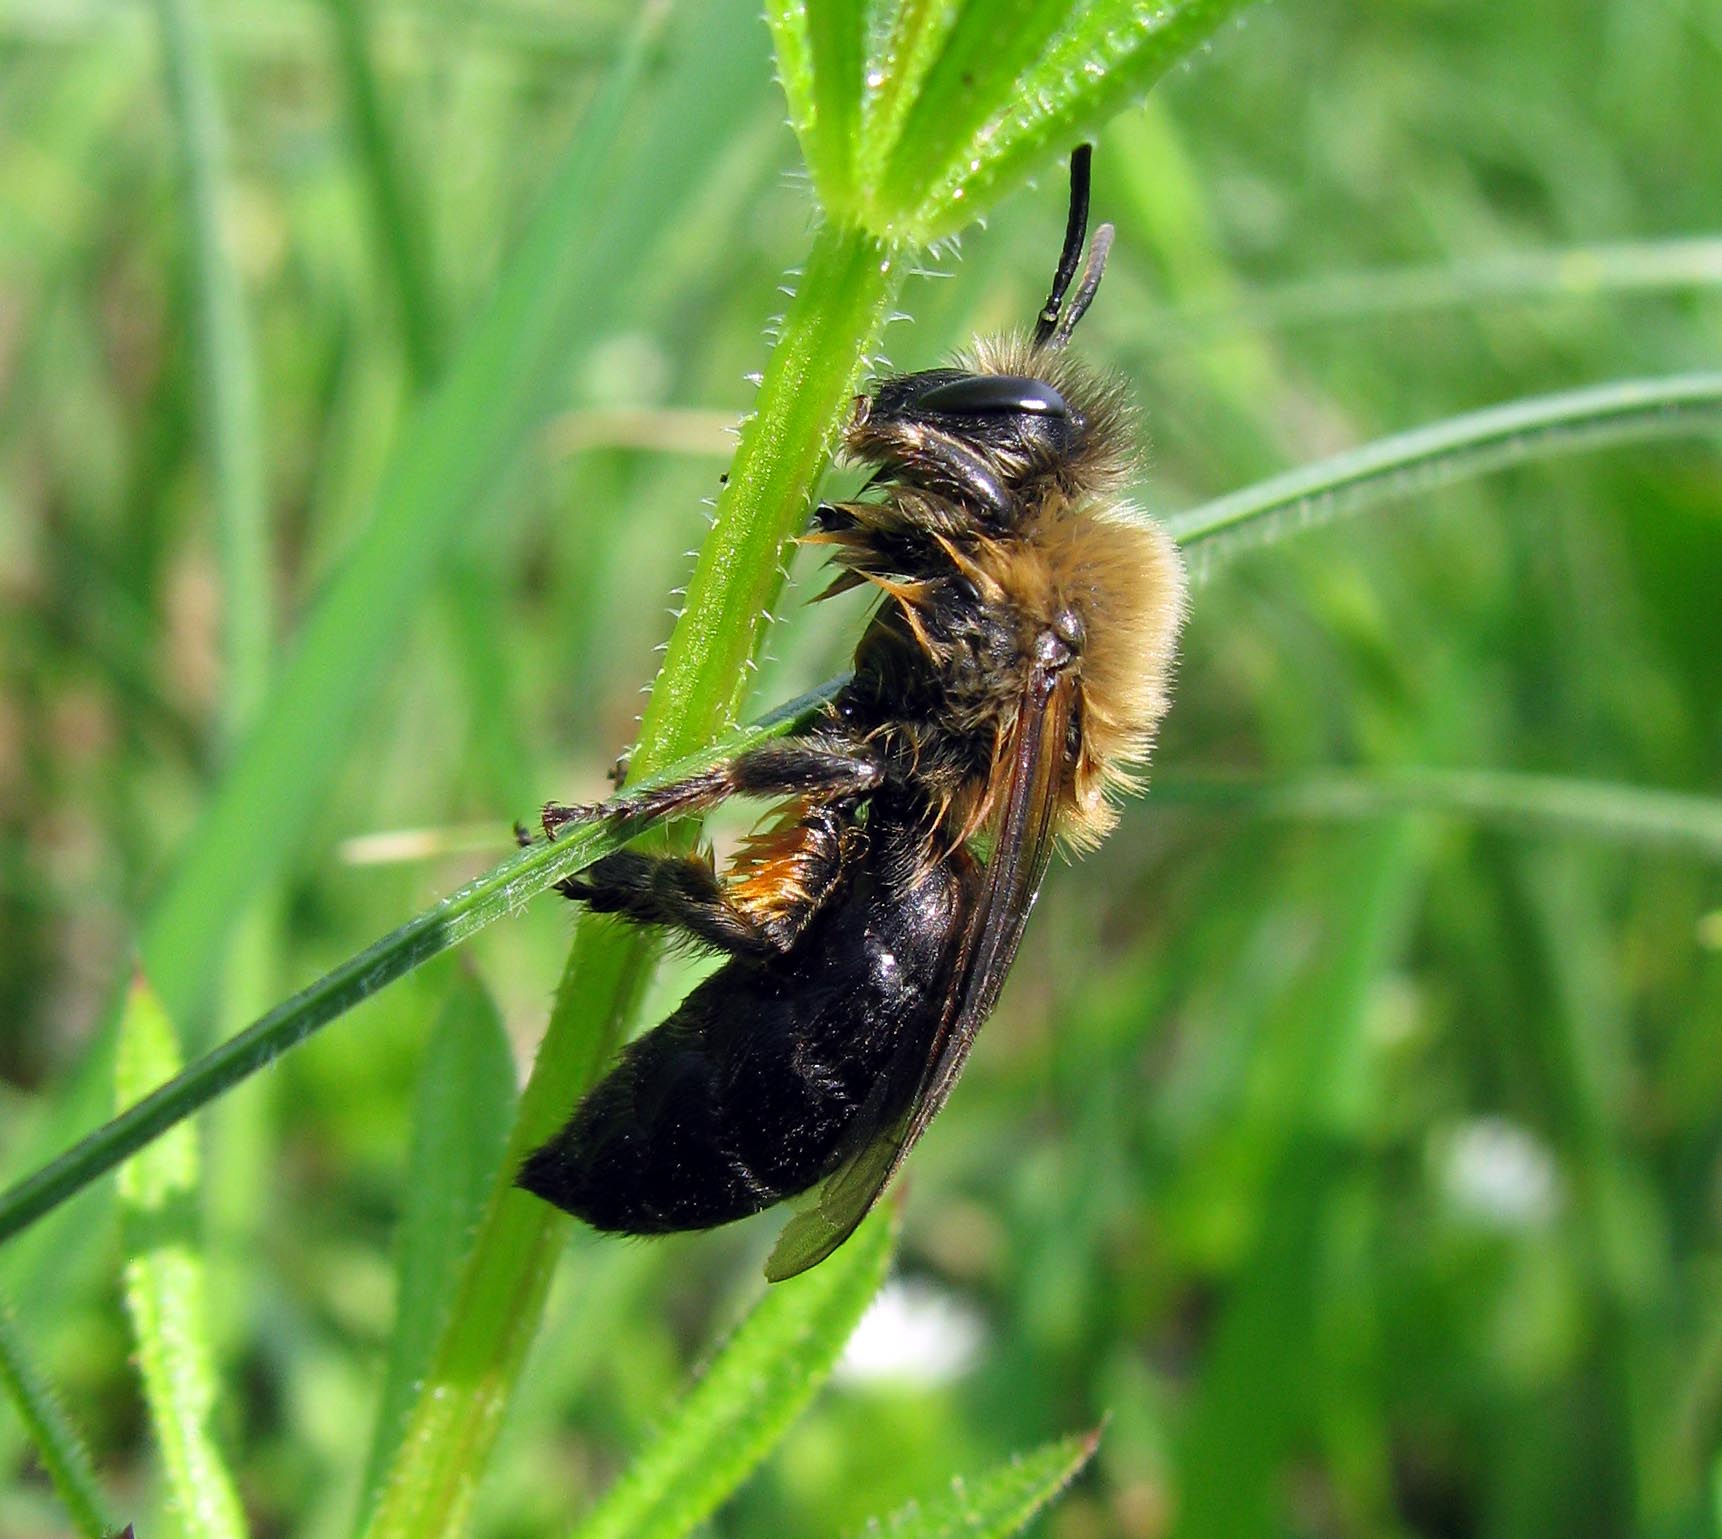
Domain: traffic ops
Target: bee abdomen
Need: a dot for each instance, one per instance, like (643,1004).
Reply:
(715,1115)
(761,1083)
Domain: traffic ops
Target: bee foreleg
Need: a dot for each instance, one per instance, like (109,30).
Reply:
(823,769)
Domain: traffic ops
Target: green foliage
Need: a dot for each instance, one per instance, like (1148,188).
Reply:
(1356,1162)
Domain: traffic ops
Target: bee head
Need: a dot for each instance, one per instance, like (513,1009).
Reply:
(1002,427)
(1026,420)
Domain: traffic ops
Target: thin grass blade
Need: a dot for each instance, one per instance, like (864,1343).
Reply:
(58,1443)
(756,1386)
(1100,59)
(821,54)
(165,1285)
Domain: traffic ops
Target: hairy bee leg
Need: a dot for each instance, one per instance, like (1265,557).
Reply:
(764,911)
(680,892)
(819,768)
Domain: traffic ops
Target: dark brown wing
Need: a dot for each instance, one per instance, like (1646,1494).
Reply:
(1022,845)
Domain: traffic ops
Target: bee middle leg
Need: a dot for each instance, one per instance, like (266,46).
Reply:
(825,769)
(762,913)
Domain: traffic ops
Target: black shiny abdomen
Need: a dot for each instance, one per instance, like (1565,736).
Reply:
(745,1094)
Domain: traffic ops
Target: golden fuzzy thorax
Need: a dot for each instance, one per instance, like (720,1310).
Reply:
(1074,547)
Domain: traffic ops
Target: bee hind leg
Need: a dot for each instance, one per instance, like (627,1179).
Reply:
(783,881)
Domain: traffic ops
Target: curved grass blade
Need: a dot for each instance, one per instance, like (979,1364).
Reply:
(396,198)
(996,1504)
(758,1383)
(165,1285)
(465,1105)
(58,1444)
(1597,417)
(491,897)
(1620,814)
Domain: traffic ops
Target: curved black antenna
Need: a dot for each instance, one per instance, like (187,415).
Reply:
(1075,232)
(1084,296)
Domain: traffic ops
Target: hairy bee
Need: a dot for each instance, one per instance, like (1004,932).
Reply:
(1010,680)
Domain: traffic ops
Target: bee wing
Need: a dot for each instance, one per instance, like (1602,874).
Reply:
(1021,849)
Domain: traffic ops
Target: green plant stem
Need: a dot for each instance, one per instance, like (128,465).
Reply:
(226,373)
(838,312)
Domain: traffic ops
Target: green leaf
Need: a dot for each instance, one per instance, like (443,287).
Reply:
(996,1504)
(756,1386)
(491,897)
(465,1106)
(59,1445)
(164,1284)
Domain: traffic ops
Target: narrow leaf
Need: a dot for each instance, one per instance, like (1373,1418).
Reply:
(996,1504)
(756,1386)
(164,1285)
(58,1443)
(821,53)
(465,1106)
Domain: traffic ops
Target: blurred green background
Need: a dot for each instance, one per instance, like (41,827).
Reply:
(1359,1159)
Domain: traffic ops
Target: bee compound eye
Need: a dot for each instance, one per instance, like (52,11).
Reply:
(994,394)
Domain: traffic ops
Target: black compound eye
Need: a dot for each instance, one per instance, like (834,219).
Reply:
(986,394)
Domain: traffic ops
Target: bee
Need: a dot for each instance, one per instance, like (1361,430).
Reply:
(1006,688)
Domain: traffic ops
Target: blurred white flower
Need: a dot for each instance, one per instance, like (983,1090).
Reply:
(913,1333)
(1496,1172)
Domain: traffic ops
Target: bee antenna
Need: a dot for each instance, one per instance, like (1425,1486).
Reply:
(1046,327)
(1084,295)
